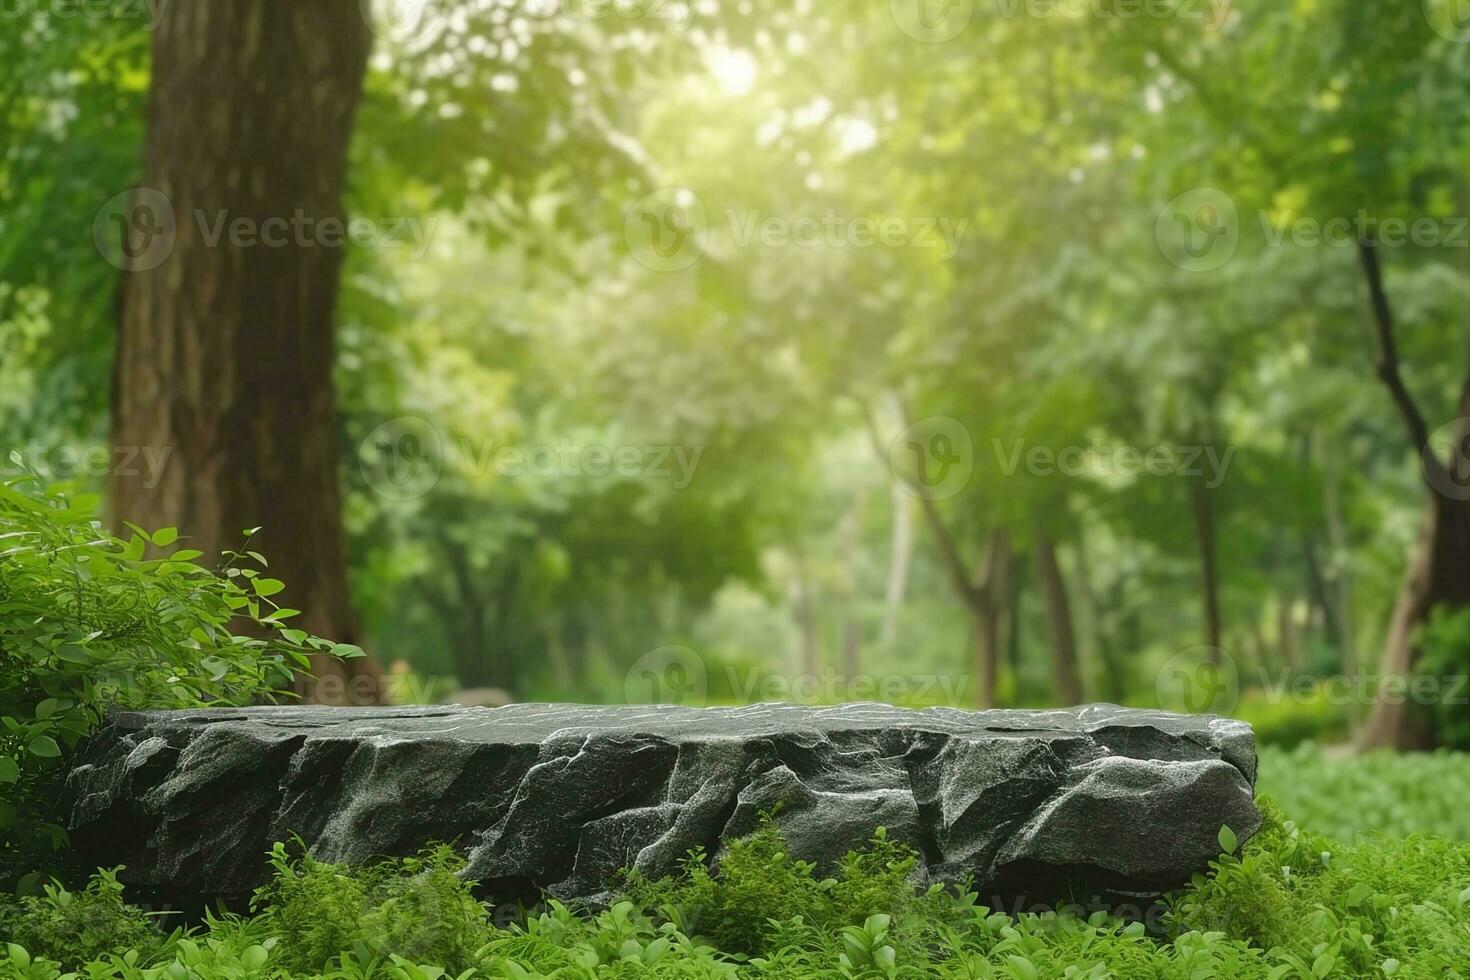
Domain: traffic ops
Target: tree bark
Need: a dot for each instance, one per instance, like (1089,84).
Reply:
(1204,525)
(1342,604)
(805,608)
(1059,622)
(225,350)
(992,596)
(900,555)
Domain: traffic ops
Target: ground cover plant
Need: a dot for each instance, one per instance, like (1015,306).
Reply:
(1344,795)
(1289,905)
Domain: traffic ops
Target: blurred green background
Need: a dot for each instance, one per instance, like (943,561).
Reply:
(960,353)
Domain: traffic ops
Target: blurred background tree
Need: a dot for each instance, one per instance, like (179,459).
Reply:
(657,230)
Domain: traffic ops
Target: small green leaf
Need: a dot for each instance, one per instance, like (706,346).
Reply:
(47,708)
(216,667)
(9,770)
(268,586)
(73,654)
(165,536)
(45,746)
(1228,841)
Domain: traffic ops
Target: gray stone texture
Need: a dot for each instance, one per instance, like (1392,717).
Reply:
(562,797)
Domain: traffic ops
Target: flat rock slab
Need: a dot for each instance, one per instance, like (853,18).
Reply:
(561,798)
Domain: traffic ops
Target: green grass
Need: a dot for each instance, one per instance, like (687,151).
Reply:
(1291,905)
(1386,793)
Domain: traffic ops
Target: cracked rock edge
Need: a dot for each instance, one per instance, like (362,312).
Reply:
(561,798)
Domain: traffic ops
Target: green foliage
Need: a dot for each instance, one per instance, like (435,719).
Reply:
(1344,796)
(1288,905)
(418,909)
(1289,721)
(90,622)
(1444,643)
(75,927)
(758,890)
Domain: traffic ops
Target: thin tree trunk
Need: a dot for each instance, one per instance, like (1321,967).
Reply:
(992,598)
(1015,601)
(1114,674)
(1438,573)
(225,350)
(900,557)
(852,543)
(982,597)
(1204,525)
(1059,622)
(805,609)
(1288,637)
(1342,582)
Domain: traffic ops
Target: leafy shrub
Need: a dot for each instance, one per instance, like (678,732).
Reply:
(418,909)
(89,622)
(74,927)
(758,888)
(1445,645)
(1289,905)
(315,908)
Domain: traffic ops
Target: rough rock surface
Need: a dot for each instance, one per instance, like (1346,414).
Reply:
(561,797)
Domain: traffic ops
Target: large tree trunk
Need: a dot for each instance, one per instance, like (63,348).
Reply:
(1059,622)
(1438,575)
(225,350)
